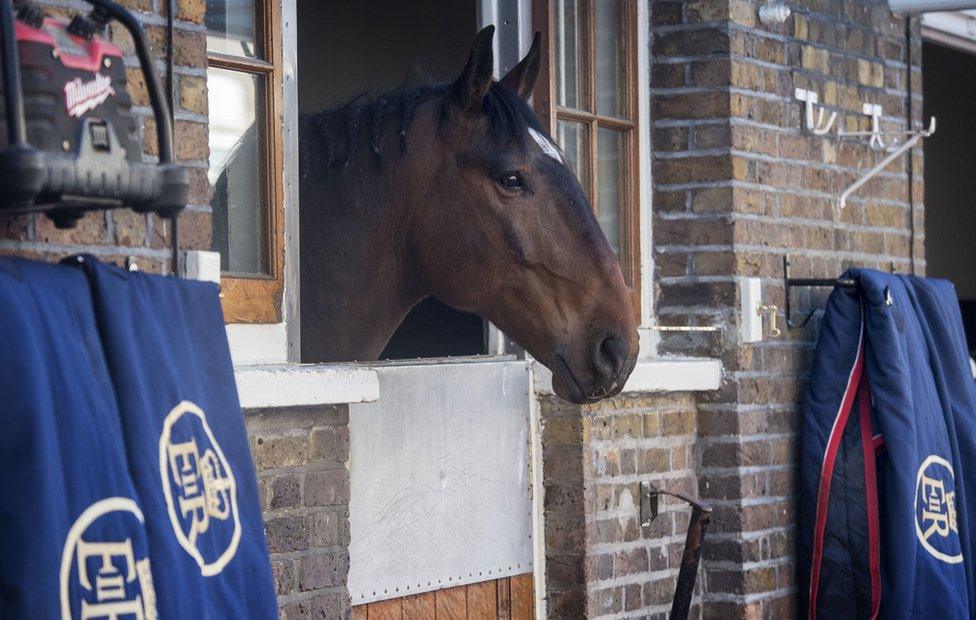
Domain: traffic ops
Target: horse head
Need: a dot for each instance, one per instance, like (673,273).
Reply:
(506,231)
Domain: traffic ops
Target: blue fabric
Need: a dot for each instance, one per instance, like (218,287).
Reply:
(923,405)
(186,444)
(66,499)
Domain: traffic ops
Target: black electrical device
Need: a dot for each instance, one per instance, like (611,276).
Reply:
(69,139)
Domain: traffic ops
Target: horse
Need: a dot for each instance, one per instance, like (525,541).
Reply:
(457,191)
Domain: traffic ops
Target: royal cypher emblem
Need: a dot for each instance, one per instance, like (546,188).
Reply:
(105,570)
(200,491)
(935,510)
(81,96)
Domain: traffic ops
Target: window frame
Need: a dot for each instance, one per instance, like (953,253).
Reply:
(550,112)
(258,298)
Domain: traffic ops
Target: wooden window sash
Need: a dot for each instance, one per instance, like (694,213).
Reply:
(258,298)
(545,98)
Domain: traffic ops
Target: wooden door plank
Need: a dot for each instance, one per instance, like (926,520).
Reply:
(483,600)
(452,604)
(420,606)
(386,610)
(359,612)
(523,597)
(504,603)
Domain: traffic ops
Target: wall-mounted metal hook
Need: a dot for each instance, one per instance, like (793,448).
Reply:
(810,99)
(789,283)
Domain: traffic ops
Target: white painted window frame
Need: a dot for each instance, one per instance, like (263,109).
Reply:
(252,343)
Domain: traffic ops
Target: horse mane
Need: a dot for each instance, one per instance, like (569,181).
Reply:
(363,119)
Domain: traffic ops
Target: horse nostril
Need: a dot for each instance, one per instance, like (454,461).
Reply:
(609,355)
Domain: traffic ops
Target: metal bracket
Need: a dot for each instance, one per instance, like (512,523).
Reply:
(876,138)
(650,502)
(875,134)
(789,283)
(894,154)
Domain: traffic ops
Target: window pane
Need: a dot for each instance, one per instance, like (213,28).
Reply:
(611,166)
(611,56)
(573,139)
(236,171)
(232,27)
(567,53)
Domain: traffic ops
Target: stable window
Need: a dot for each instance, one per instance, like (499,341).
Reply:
(592,109)
(352,53)
(244,82)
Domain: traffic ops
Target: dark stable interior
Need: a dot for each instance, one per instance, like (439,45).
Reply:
(949,94)
(350,47)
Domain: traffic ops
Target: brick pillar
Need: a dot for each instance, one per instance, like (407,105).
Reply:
(301,458)
(738,185)
(599,561)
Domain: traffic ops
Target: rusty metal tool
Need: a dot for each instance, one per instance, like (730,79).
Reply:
(688,574)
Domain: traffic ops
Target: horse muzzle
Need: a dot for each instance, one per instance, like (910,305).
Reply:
(610,359)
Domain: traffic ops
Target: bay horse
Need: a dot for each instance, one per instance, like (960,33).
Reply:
(457,191)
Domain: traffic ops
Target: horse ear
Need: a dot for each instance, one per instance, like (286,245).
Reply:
(523,76)
(475,79)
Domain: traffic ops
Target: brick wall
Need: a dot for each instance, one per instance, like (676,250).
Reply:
(301,457)
(122,234)
(738,185)
(600,563)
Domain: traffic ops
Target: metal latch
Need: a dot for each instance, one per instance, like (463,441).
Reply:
(687,328)
(762,309)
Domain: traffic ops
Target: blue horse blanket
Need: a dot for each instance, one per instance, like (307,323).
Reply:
(187,447)
(73,537)
(888,455)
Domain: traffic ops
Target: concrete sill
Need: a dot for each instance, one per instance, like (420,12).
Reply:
(658,374)
(295,385)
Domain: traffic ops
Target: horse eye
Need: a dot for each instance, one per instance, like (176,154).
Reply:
(510,180)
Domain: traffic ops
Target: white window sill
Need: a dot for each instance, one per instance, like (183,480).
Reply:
(657,374)
(294,385)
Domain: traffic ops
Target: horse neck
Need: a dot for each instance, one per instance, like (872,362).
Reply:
(357,239)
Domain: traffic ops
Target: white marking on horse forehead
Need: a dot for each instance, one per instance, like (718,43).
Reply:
(546,145)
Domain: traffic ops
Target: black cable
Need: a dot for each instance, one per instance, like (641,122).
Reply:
(161,111)
(171,88)
(911,158)
(12,95)
(171,39)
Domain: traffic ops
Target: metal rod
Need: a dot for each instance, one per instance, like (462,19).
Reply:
(12,95)
(842,282)
(894,132)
